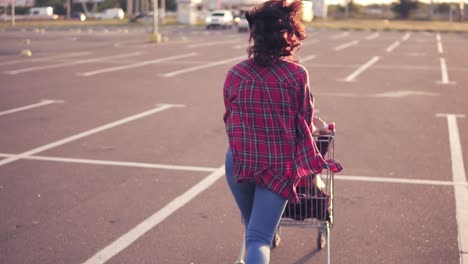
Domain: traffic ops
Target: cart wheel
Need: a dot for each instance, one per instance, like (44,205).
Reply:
(277,238)
(322,238)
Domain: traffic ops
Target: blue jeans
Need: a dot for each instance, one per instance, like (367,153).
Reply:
(261,211)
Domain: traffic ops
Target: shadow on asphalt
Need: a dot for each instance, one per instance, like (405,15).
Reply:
(307,257)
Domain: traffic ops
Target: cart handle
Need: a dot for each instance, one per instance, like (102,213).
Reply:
(331,127)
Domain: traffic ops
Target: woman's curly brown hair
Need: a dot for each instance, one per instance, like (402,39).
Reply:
(276,29)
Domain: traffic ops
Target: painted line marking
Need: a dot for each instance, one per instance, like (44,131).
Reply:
(307,58)
(212,43)
(387,66)
(403,93)
(210,169)
(115,163)
(406,36)
(352,76)
(393,46)
(161,107)
(135,65)
(398,180)
(185,62)
(127,43)
(444,73)
(131,236)
(181,40)
(417,54)
(341,35)
(389,94)
(439,44)
(240,46)
(346,45)
(204,66)
(373,36)
(52,66)
(461,192)
(46,58)
(31,106)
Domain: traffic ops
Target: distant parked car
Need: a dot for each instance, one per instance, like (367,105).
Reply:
(110,13)
(46,12)
(220,18)
(78,15)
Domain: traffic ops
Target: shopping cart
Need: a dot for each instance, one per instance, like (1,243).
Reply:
(315,208)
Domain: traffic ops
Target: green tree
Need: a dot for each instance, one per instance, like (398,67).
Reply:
(354,8)
(443,8)
(171,5)
(350,8)
(404,8)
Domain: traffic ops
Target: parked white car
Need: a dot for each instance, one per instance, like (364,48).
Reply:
(110,13)
(46,12)
(220,18)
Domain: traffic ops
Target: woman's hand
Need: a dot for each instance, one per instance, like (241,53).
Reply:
(320,127)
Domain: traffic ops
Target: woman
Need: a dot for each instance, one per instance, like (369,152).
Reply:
(269,124)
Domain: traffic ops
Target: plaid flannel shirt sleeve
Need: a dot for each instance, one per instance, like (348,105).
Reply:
(309,156)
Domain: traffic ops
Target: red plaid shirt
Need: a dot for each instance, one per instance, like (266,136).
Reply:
(268,122)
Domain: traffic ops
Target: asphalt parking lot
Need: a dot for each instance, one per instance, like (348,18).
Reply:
(112,148)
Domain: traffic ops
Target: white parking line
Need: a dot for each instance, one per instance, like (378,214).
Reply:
(58,65)
(385,67)
(127,43)
(204,66)
(135,65)
(212,43)
(373,36)
(45,58)
(211,169)
(439,44)
(131,236)
(388,94)
(307,58)
(393,46)
(417,54)
(31,106)
(240,46)
(398,180)
(161,107)
(346,45)
(352,76)
(461,192)
(115,163)
(341,35)
(443,68)
(406,36)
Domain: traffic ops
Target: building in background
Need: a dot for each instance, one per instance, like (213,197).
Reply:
(188,11)
(308,11)
(320,8)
